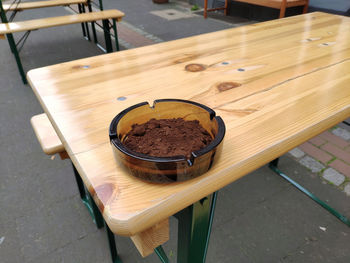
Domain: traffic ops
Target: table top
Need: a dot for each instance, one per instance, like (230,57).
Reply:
(275,84)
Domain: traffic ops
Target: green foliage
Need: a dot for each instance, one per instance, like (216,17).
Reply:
(195,7)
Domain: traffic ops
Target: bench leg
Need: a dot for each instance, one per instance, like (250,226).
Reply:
(306,7)
(195,224)
(273,167)
(86,25)
(14,50)
(226,11)
(82,24)
(161,254)
(92,24)
(283,8)
(88,200)
(116,35)
(107,35)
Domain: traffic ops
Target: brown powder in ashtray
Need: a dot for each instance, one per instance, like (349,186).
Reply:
(167,137)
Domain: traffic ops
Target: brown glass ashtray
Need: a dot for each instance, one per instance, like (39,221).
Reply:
(166,169)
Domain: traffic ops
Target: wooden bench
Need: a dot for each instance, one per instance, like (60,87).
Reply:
(49,141)
(41,4)
(27,26)
(276,4)
(17,6)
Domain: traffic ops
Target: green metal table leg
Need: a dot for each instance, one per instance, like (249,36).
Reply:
(195,224)
(88,200)
(116,35)
(18,60)
(273,167)
(112,246)
(97,216)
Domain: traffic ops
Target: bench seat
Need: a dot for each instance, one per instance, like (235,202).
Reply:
(29,25)
(41,4)
(274,3)
(46,134)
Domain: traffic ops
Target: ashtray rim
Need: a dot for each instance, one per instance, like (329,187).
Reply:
(114,139)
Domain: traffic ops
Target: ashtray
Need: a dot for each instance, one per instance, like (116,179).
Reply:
(166,169)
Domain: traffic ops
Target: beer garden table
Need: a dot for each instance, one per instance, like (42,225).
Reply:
(276,84)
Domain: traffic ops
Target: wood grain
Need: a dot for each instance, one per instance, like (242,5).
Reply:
(12,27)
(275,3)
(46,135)
(40,4)
(291,83)
(148,240)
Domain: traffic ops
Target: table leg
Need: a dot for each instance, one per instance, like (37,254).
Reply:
(112,246)
(88,201)
(273,166)
(194,229)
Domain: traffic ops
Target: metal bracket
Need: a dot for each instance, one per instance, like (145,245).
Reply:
(22,41)
(273,167)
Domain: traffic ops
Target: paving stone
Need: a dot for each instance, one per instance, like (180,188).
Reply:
(297,153)
(312,164)
(330,137)
(337,152)
(318,141)
(172,14)
(347,189)
(342,167)
(316,153)
(333,176)
(343,133)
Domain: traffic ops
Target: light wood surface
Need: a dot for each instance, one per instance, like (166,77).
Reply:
(46,135)
(40,4)
(275,84)
(277,4)
(12,27)
(148,240)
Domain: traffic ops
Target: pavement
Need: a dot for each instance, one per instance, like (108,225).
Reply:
(259,218)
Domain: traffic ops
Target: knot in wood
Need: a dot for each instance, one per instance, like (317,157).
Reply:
(227,85)
(195,67)
(81,66)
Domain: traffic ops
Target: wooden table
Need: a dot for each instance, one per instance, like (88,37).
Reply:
(275,84)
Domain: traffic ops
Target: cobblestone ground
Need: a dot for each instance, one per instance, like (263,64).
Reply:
(328,155)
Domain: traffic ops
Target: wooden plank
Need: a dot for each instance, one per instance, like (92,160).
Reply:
(151,238)
(41,4)
(34,24)
(274,3)
(293,75)
(46,135)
